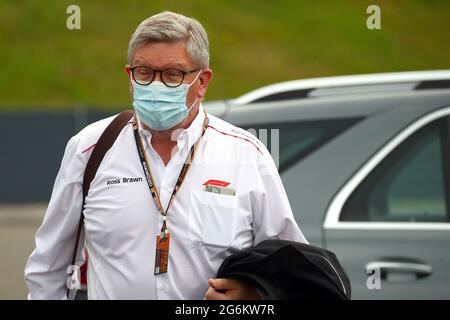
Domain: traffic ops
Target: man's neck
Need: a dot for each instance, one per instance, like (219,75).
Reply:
(165,141)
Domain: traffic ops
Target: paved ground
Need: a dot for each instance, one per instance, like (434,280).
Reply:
(18,226)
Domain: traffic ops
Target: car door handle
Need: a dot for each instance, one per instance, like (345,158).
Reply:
(385,267)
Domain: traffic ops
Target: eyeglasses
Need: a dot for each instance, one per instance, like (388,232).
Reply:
(170,77)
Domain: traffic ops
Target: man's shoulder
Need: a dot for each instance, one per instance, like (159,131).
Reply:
(89,135)
(235,134)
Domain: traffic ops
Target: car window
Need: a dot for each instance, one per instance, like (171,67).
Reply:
(408,185)
(285,95)
(299,139)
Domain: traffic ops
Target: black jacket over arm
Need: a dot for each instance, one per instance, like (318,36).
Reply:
(282,269)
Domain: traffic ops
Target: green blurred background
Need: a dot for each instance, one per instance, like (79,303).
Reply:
(45,66)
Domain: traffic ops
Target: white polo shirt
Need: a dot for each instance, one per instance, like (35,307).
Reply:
(122,221)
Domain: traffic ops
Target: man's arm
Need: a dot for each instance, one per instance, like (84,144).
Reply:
(272,213)
(45,272)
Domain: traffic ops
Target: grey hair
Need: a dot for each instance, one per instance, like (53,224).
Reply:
(173,27)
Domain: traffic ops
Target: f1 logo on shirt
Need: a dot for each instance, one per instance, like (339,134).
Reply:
(217,183)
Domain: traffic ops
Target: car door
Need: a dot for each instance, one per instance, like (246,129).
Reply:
(389,224)
(289,143)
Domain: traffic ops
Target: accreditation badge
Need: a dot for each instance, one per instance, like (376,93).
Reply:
(162,252)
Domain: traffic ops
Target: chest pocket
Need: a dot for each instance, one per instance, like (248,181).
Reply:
(212,218)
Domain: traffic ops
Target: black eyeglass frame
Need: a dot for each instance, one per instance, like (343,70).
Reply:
(155,71)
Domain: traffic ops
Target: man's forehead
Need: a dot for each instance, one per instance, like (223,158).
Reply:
(142,61)
(162,55)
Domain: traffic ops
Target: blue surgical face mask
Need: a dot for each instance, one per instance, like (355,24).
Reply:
(161,107)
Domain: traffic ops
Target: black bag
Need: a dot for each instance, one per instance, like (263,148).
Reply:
(286,270)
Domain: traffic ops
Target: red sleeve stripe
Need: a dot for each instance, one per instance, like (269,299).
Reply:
(231,135)
(89,148)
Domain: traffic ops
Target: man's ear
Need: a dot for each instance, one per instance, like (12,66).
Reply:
(128,72)
(204,77)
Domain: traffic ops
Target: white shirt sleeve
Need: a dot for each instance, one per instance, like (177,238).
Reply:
(272,217)
(45,272)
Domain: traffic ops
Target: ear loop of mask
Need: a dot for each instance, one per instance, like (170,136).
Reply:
(196,99)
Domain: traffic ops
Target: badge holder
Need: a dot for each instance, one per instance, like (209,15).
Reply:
(162,252)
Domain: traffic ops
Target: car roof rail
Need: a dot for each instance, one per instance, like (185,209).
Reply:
(297,89)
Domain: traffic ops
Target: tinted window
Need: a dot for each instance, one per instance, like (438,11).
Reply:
(408,185)
(298,139)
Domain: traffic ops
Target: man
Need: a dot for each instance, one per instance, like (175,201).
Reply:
(127,221)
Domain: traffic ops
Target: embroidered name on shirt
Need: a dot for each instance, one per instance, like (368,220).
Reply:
(123,180)
(247,135)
